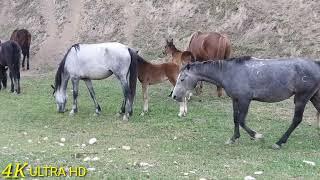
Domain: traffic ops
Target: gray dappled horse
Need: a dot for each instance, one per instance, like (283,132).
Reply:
(246,78)
(95,62)
(10,56)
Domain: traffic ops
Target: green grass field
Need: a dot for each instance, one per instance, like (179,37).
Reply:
(174,148)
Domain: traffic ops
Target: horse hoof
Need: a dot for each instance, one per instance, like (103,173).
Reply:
(125,118)
(71,113)
(97,112)
(276,147)
(142,114)
(180,115)
(230,141)
(258,137)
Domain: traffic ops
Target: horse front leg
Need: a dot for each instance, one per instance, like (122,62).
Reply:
(145,99)
(75,90)
(28,55)
(300,104)
(4,80)
(183,108)
(93,95)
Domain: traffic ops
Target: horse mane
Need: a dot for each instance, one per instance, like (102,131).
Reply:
(141,60)
(239,59)
(60,71)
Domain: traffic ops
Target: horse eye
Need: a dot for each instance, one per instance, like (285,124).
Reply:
(182,80)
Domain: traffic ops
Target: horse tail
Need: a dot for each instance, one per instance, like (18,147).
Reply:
(133,69)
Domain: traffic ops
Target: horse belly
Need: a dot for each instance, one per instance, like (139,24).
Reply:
(270,94)
(97,74)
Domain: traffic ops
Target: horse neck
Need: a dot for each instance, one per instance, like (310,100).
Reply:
(211,72)
(65,76)
(174,51)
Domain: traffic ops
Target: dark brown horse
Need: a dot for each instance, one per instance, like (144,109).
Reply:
(209,46)
(23,38)
(150,74)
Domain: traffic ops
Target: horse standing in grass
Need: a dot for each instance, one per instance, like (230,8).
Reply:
(245,79)
(95,62)
(23,38)
(10,55)
(150,74)
(209,46)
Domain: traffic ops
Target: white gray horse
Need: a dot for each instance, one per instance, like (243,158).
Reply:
(245,79)
(95,62)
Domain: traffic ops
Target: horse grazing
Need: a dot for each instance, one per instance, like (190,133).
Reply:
(178,57)
(10,55)
(270,81)
(95,62)
(150,74)
(23,38)
(209,46)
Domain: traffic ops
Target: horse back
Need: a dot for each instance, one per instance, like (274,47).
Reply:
(22,37)
(10,54)
(210,45)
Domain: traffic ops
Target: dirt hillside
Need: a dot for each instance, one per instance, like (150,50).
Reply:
(259,28)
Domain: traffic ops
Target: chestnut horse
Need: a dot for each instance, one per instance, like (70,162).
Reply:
(150,74)
(23,38)
(178,57)
(209,46)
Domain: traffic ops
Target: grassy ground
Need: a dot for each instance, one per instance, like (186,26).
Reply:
(191,147)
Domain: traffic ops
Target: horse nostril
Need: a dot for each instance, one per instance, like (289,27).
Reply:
(174,97)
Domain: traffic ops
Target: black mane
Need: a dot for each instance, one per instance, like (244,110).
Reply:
(60,71)
(239,59)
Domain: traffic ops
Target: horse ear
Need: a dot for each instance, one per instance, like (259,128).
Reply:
(171,40)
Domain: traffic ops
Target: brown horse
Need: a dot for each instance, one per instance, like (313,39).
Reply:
(23,38)
(209,46)
(178,57)
(150,74)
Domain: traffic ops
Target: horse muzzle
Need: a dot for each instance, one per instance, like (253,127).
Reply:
(177,98)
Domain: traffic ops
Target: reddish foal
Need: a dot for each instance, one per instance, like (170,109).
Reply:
(210,46)
(150,74)
(178,57)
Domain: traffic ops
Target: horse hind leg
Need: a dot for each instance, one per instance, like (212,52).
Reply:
(316,103)
(126,102)
(300,104)
(12,84)
(93,95)
(23,61)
